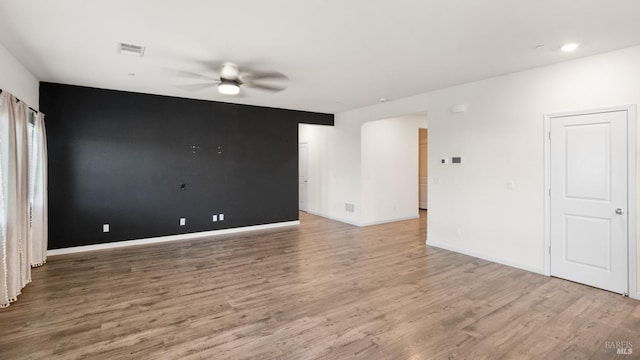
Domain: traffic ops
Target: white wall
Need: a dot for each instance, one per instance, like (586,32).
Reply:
(348,163)
(317,138)
(389,169)
(17,80)
(335,157)
(333,180)
(500,139)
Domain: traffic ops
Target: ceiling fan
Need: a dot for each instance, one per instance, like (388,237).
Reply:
(231,79)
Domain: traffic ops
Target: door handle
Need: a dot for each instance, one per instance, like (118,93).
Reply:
(619,211)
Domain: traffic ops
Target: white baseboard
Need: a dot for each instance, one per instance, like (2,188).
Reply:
(498,260)
(389,221)
(482,256)
(360,224)
(346,221)
(155,240)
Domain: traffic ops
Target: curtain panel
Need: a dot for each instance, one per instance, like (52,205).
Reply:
(22,244)
(39,217)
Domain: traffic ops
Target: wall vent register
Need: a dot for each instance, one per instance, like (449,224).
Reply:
(130,49)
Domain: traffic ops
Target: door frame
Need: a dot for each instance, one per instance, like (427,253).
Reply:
(426,164)
(632,199)
(306,160)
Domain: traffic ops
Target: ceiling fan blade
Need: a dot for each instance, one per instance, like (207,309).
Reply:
(262,75)
(197,87)
(225,69)
(213,65)
(271,88)
(192,75)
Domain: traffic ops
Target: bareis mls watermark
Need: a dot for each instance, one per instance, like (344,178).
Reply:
(621,347)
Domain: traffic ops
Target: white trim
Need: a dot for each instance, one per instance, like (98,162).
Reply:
(156,240)
(360,224)
(482,256)
(342,220)
(632,202)
(546,195)
(306,160)
(389,221)
(632,195)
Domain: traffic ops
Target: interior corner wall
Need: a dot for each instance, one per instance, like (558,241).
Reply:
(501,140)
(141,162)
(389,171)
(335,160)
(333,170)
(16,79)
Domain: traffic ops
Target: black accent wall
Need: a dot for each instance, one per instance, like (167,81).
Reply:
(141,162)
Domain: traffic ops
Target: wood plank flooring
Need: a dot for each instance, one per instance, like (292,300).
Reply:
(323,290)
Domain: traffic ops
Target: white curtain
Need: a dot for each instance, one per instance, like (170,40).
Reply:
(5,112)
(38,236)
(17,238)
(21,117)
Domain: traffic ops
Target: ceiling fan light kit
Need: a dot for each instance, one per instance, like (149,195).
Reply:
(228,87)
(230,79)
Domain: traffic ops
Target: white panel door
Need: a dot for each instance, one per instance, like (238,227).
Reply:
(589,199)
(302,176)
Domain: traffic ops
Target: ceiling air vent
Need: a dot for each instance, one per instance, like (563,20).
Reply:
(130,49)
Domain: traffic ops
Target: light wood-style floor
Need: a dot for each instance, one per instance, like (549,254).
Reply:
(323,290)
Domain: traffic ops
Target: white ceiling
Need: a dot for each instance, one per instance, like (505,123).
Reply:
(338,54)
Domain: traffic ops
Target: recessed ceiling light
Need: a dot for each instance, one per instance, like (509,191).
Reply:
(382,100)
(569,47)
(132,74)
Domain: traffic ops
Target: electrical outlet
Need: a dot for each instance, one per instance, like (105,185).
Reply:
(105,227)
(214,218)
(183,221)
(221,217)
